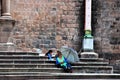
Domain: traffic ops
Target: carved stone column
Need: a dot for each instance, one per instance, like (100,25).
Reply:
(0,7)
(88,41)
(6,8)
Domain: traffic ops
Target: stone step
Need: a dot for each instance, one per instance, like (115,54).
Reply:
(28,65)
(51,70)
(116,67)
(45,57)
(51,66)
(45,65)
(75,79)
(20,64)
(81,69)
(24,73)
(22,57)
(92,69)
(116,71)
(76,69)
(25,61)
(93,60)
(60,76)
(36,58)
(90,63)
(48,61)
(18,53)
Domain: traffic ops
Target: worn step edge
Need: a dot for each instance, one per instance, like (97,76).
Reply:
(75,63)
(47,64)
(26,53)
(26,60)
(52,73)
(45,60)
(74,67)
(63,76)
(22,56)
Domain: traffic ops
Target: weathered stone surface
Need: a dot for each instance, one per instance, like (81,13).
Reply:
(106,26)
(55,23)
(53,20)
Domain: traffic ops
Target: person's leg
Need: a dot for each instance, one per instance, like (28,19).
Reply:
(64,68)
(69,68)
(58,66)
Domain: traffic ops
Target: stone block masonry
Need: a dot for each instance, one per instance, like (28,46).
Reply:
(50,24)
(106,26)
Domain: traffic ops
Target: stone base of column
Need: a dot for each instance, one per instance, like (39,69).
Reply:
(6,18)
(6,15)
(89,55)
(6,27)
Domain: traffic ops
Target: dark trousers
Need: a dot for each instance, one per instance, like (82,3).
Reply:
(66,68)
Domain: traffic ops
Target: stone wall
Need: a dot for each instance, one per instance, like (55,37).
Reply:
(106,21)
(50,24)
(47,24)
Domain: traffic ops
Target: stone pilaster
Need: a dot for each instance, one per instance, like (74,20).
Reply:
(6,8)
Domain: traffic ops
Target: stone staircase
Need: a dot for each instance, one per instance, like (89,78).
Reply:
(31,66)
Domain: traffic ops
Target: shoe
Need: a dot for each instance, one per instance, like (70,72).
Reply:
(71,71)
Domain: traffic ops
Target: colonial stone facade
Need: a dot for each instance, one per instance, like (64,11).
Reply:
(50,24)
(106,23)
(47,24)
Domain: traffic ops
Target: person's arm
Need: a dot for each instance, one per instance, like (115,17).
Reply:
(49,55)
(56,55)
(65,59)
(57,62)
